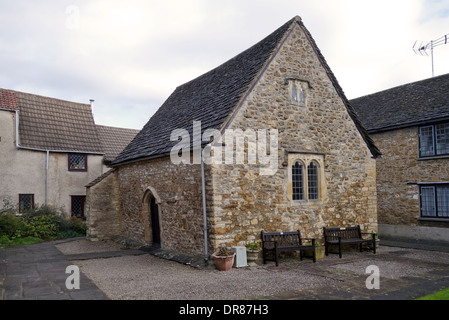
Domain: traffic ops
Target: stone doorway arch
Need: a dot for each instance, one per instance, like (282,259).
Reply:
(152,217)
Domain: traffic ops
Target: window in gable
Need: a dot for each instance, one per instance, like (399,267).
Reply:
(77,162)
(297,91)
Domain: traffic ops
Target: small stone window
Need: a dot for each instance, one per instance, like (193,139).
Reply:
(77,162)
(298,91)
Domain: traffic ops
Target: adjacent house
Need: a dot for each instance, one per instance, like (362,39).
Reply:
(49,150)
(410,125)
(307,161)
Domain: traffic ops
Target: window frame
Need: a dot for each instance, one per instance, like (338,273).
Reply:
(83,206)
(298,184)
(297,92)
(310,193)
(20,202)
(434,144)
(72,169)
(436,189)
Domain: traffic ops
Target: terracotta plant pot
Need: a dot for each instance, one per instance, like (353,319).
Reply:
(224,263)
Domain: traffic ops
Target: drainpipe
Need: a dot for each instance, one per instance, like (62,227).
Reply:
(46,177)
(203,185)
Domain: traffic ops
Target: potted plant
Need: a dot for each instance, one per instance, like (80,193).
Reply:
(319,252)
(252,252)
(223,259)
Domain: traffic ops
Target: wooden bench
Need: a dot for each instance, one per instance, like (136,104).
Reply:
(278,242)
(344,236)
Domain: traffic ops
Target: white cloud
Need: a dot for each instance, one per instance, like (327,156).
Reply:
(129,56)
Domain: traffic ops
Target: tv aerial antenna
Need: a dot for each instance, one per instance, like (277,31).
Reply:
(423,48)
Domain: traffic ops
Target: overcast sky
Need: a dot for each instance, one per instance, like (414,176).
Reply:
(131,55)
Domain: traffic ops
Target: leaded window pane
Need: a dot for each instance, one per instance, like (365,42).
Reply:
(298,181)
(26,203)
(78,206)
(294,93)
(426,141)
(77,162)
(443,201)
(312,176)
(428,208)
(442,139)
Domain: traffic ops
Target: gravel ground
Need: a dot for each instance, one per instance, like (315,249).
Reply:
(146,277)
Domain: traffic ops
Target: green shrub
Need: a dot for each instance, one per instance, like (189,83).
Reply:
(43,222)
(9,224)
(42,227)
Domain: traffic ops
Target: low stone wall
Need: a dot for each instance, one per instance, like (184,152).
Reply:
(102,208)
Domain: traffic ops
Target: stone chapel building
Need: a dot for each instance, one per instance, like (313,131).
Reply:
(324,174)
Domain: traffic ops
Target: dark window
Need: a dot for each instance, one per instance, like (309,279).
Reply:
(77,162)
(435,201)
(298,181)
(434,140)
(312,180)
(78,203)
(26,203)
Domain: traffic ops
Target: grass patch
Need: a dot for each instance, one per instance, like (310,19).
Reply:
(441,295)
(19,241)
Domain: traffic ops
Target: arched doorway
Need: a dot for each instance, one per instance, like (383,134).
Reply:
(154,220)
(151,215)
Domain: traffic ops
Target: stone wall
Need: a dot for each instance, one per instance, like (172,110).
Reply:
(398,171)
(246,202)
(102,208)
(178,193)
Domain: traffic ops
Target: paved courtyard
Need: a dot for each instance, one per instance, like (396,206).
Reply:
(38,272)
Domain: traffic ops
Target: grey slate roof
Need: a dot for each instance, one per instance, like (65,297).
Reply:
(55,125)
(403,106)
(212,97)
(114,140)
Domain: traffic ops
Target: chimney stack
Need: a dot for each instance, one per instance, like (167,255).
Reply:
(92,106)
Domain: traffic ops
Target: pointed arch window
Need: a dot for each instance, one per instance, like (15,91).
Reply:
(313,181)
(306,177)
(298,181)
